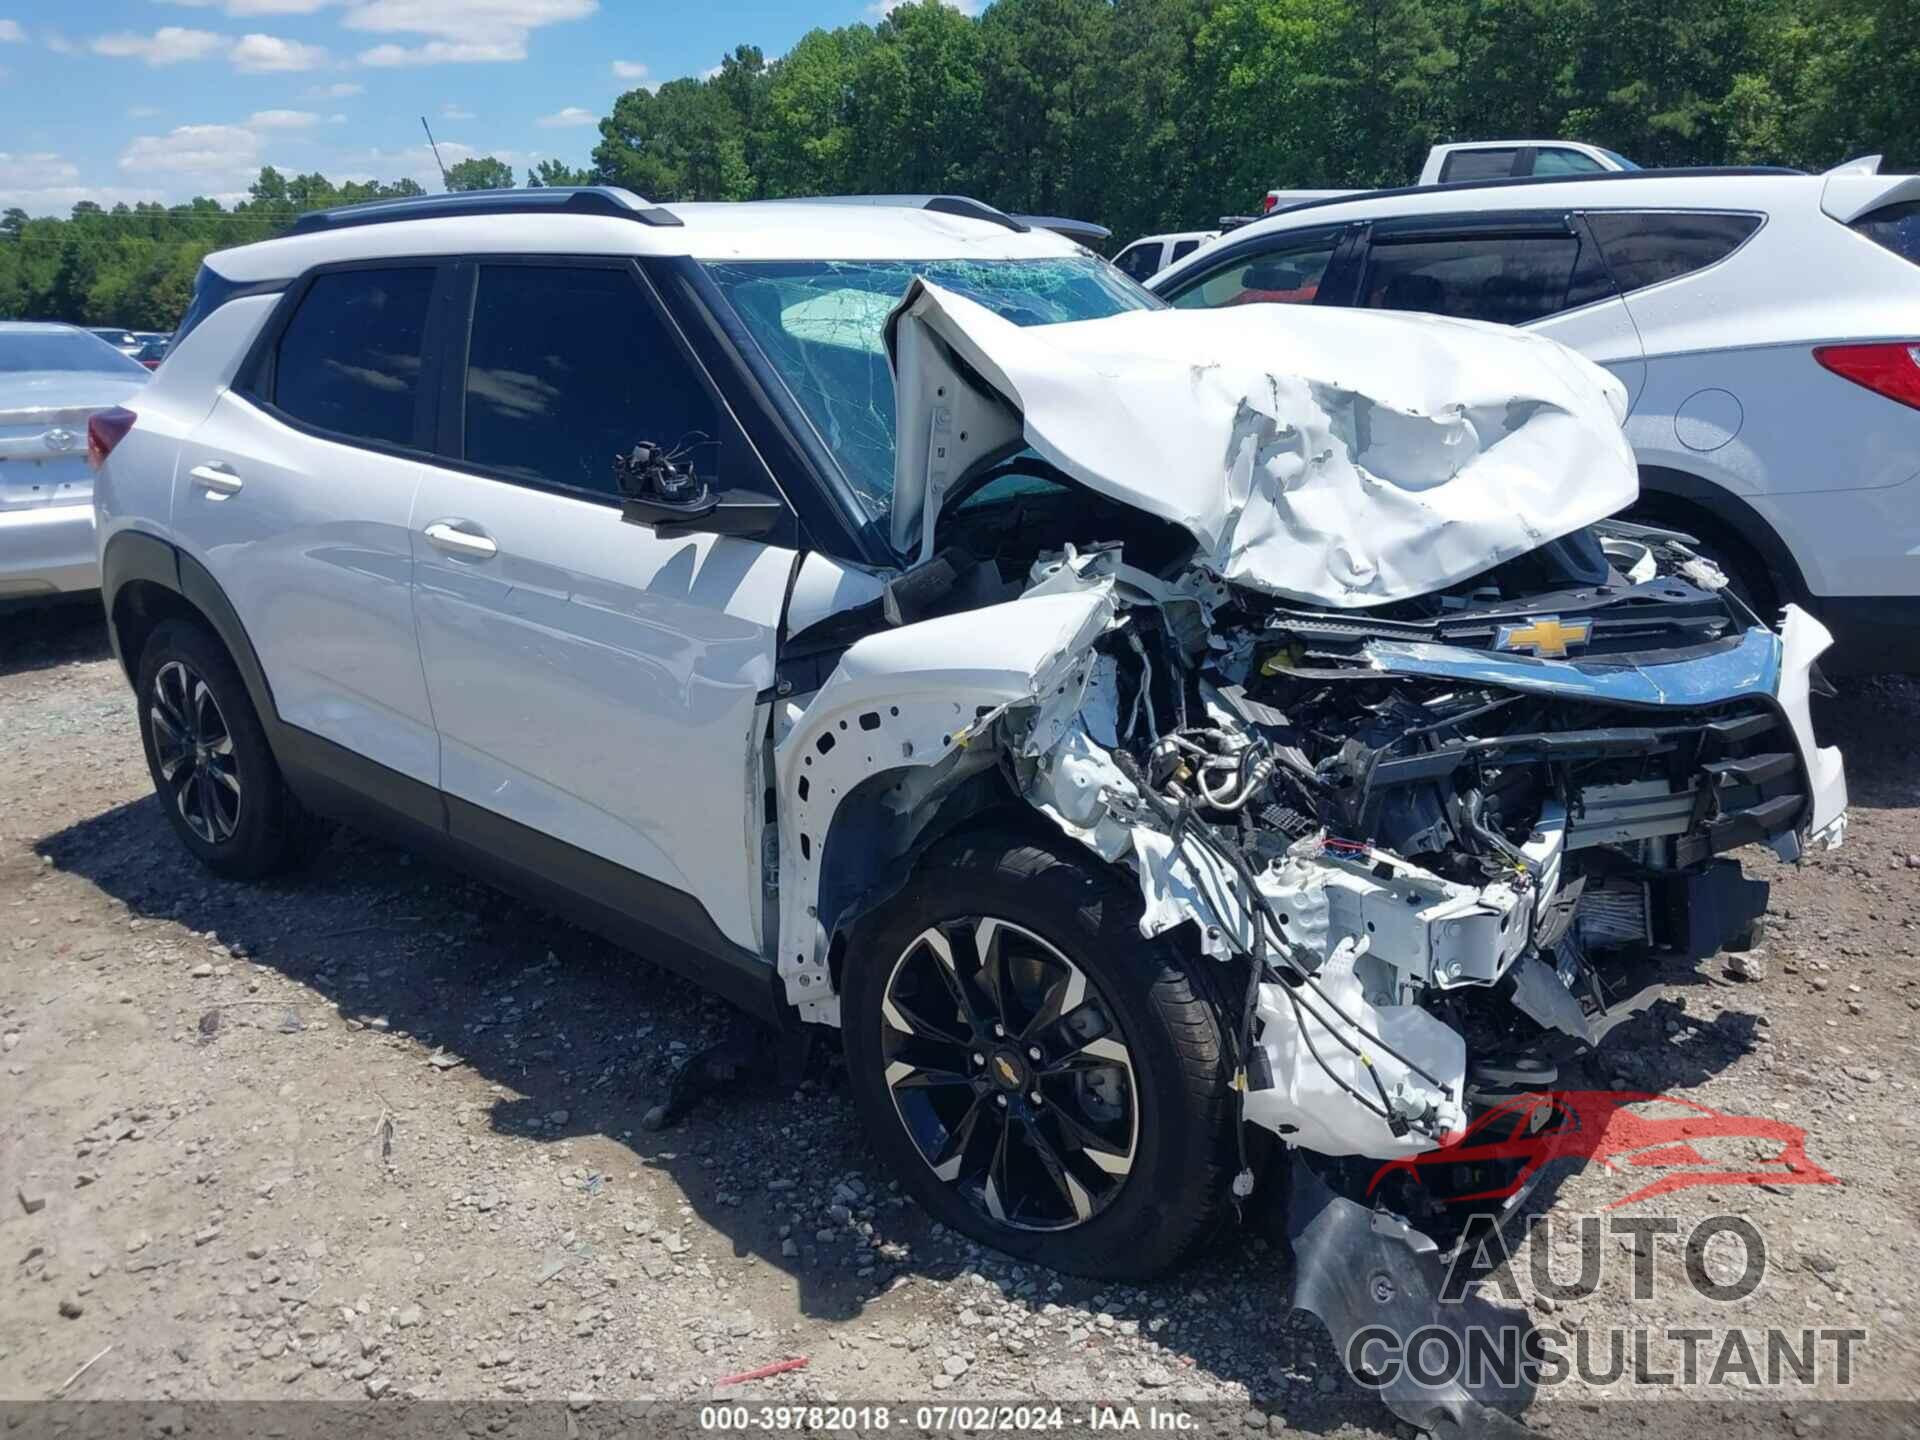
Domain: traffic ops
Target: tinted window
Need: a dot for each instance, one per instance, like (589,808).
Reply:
(63,350)
(1182,250)
(1478,165)
(1288,273)
(568,368)
(1140,260)
(349,361)
(1509,279)
(1645,247)
(1895,226)
(1565,162)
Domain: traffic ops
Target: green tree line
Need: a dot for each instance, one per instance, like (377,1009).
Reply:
(1141,114)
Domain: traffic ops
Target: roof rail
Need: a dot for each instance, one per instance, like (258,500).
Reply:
(1523,182)
(962,205)
(607,200)
(1083,232)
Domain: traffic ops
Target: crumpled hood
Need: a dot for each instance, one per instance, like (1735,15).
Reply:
(1337,457)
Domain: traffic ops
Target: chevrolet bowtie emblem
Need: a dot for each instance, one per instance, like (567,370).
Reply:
(1005,1067)
(1546,637)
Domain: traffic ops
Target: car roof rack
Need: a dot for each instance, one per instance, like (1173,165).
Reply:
(1085,232)
(1522,182)
(605,200)
(962,205)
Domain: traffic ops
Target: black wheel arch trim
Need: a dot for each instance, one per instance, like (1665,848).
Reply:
(667,926)
(1742,522)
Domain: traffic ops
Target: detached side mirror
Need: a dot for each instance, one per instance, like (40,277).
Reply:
(743,513)
(671,500)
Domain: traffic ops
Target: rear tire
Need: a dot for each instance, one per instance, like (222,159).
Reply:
(1748,576)
(212,767)
(1131,1067)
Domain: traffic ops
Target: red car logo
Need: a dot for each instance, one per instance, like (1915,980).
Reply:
(1690,1143)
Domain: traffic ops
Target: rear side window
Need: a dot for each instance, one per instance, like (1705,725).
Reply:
(1140,260)
(1182,250)
(1287,273)
(1897,227)
(1508,279)
(1552,160)
(349,360)
(1477,165)
(570,366)
(1645,247)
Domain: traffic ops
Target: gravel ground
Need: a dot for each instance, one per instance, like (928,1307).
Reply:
(374,1130)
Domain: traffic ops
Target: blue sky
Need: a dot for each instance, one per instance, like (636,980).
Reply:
(131,100)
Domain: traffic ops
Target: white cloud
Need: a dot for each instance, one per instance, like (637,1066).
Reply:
(339,90)
(415,162)
(266,54)
(563,119)
(242,8)
(629,70)
(142,112)
(11,33)
(453,111)
(442,52)
(58,43)
(229,153)
(336,118)
(169,45)
(458,31)
(35,171)
(282,119)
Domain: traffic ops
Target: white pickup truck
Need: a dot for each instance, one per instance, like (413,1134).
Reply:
(1485,160)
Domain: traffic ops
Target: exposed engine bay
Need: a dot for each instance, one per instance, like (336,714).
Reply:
(1435,811)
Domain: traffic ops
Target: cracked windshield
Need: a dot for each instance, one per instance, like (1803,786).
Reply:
(821,325)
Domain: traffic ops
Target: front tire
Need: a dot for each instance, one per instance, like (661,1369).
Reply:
(1039,1076)
(212,768)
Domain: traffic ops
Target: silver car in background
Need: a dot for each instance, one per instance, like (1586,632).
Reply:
(54,379)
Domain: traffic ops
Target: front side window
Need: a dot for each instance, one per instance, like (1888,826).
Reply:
(568,367)
(1140,260)
(820,324)
(1287,273)
(349,360)
(1477,165)
(1645,247)
(1509,280)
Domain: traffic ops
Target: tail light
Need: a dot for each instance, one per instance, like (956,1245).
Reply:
(1891,369)
(106,430)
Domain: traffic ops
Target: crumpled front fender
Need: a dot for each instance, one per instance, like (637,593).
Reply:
(912,699)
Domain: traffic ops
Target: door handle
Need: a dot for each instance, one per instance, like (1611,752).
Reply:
(445,535)
(217,478)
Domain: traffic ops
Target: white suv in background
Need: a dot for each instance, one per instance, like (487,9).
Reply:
(1766,326)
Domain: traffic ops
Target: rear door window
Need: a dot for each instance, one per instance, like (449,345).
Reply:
(1478,165)
(1182,250)
(569,366)
(1555,160)
(1287,272)
(1897,227)
(1645,247)
(1508,279)
(349,360)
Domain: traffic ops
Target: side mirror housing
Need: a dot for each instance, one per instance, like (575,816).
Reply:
(743,513)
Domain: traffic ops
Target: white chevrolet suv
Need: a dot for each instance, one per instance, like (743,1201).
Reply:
(1765,324)
(1177,751)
